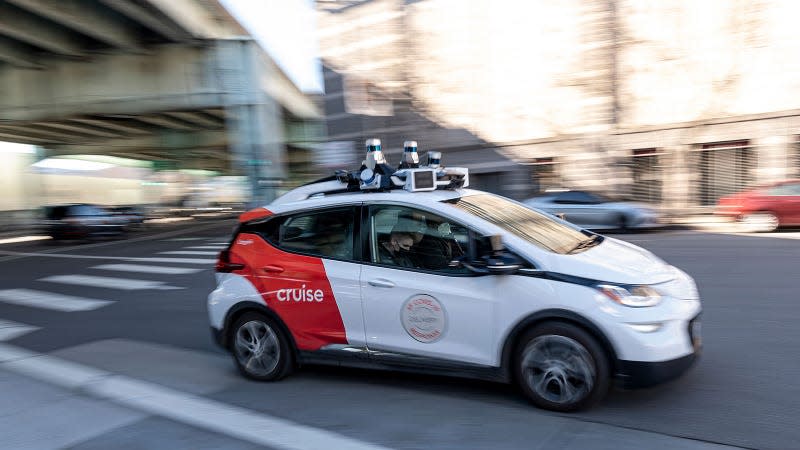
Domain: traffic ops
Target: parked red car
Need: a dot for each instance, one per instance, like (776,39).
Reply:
(764,208)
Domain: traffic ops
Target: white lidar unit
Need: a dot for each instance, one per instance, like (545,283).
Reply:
(376,175)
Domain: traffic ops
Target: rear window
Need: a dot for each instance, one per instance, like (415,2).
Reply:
(327,233)
(535,227)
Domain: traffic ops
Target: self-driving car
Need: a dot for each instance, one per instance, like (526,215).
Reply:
(410,270)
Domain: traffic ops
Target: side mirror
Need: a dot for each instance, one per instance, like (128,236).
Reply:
(499,261)
(496,261)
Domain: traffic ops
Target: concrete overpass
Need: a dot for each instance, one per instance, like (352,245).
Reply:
(177,81)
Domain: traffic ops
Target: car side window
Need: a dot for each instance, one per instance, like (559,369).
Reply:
(415,239)
(785,189)
(578,198)
(327,233)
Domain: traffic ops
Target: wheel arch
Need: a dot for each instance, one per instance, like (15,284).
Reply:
(553,315)
(243,308)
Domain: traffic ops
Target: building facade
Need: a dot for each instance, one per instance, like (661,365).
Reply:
(674,103)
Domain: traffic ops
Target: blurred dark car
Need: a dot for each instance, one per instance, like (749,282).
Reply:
(81,221)
(133,216)
(594,211)
(764,208)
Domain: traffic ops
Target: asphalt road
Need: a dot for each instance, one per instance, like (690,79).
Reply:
(152,327)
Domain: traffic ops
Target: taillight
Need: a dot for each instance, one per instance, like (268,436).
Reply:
(224,264)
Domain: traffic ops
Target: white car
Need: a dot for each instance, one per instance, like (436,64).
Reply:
(452,281)
(596,212)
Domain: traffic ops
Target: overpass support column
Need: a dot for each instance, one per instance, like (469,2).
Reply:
(254,119)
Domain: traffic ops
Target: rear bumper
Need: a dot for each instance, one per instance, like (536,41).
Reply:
(637,374)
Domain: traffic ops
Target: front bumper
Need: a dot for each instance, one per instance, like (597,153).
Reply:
(637,374)
(641,374)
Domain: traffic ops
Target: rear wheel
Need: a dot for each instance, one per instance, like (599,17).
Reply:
(561,367)
(622,223)
(260,348)
(760,222)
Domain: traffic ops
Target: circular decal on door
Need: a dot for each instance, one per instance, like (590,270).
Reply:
(423,318)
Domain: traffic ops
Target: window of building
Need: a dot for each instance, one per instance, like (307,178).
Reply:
(544,174)
(794,159)
(725,168)
(647,176)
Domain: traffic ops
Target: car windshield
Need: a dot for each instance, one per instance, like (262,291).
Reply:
(535,227)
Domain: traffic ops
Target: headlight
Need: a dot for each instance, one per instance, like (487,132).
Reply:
(634,296)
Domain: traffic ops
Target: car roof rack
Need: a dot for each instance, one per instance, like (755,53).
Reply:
(376,175)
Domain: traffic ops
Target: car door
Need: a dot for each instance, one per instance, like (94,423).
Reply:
(784,201)
(416,304)
(793,204)
(309,274)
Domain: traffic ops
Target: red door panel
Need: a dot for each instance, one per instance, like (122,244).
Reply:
(295,287)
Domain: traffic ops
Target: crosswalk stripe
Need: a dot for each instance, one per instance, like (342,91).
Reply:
(11,330)
(50,300)
(201,412)
(189,252)
(175,260)
(109,282)
(148,269)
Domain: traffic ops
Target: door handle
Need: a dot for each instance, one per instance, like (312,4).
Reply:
(380,282)
(272,269)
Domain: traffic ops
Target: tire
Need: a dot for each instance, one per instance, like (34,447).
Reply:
(622,224)
(760,222)
(260,348)
(561,367)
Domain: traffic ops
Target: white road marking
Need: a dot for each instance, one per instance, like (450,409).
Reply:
(219,243)
(148,269)
(15,240)
(11,330)
(50,300)
(115,258)
(234,421)
(189,252)
(109,282)
(175,260)
(153,237)
(207,247)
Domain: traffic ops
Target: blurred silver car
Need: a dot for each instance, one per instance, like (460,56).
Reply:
(594,211)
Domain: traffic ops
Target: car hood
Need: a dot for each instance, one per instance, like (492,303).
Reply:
(616,261)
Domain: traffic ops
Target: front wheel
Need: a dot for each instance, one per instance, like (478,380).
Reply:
(260,348)
(760,222)
(561,367)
